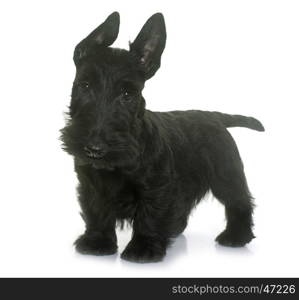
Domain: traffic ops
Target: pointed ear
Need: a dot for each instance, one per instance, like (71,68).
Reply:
(104,35)
(107,32)
(149,44)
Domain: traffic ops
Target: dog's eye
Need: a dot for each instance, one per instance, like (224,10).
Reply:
(126,96)
(84,85)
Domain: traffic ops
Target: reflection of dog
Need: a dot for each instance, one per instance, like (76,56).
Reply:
(150,168)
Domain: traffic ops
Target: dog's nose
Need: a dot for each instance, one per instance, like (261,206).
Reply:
(95,151)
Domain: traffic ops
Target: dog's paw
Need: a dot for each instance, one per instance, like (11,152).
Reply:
(234,239)
(95,245)
(142,251)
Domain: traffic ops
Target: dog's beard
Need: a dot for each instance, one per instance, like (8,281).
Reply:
(123,154)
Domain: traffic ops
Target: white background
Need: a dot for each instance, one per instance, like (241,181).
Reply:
(231,56)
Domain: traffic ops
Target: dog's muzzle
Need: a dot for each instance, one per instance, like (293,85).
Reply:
(95,151)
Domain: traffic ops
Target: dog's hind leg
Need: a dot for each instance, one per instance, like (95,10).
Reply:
(229,186)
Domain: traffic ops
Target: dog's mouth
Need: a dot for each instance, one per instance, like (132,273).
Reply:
(96,163)
(102,165)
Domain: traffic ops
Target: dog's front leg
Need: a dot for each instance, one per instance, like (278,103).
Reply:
(149,239)
(99,237)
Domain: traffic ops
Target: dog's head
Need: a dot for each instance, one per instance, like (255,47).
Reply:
(107,107)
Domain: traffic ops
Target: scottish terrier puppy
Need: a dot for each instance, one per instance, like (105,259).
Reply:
(147,168)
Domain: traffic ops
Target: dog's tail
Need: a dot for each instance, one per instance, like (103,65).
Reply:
(239,121)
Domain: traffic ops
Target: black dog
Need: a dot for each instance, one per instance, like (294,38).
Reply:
(148,168)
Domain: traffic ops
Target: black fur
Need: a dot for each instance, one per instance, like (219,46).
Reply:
(148,168)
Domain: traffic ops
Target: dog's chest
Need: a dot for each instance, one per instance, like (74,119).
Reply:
(125,204)
(125,198)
